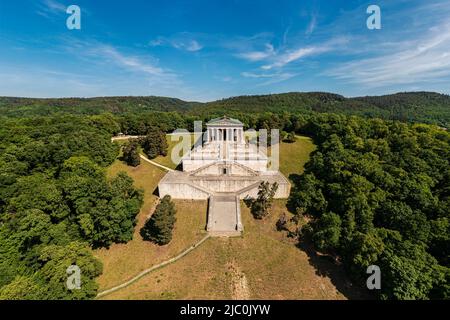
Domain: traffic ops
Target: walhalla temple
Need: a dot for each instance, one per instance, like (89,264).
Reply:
(224,170)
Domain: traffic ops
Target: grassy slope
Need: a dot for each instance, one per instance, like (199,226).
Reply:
(263,264)
(122,261)
(167,161)
(293,156)
(272,266)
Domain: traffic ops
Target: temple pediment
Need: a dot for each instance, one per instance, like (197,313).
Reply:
(225,122)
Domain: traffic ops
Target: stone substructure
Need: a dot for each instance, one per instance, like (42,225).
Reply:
(224,170)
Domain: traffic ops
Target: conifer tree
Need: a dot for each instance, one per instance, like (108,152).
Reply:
(131,154)
(159,227)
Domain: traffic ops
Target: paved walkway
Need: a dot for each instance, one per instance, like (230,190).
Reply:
(156,163)
(116,138)
(142,157)
(160,265)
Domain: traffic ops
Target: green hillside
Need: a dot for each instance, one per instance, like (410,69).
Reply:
(426,107)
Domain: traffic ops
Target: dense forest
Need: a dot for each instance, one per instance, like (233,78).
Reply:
(56,203)
(379,194)
(425,107)
(376,190)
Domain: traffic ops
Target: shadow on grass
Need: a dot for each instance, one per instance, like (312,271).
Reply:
(295,178)
(156,192)
(326,266)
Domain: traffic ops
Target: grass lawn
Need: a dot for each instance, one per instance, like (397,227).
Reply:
(293,156)
(262,264)
(167,160)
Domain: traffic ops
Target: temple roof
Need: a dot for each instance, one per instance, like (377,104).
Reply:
(224,121)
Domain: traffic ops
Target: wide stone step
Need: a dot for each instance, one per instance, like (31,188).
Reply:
(225,233)
(224,215)
(231,197)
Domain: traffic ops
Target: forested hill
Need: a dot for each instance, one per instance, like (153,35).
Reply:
(427,107)
(19,107)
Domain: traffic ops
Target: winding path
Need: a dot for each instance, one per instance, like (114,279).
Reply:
(142,156)
(156,163)
(146,271)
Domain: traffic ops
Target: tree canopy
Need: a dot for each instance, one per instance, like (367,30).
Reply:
(378,193)
(56,203)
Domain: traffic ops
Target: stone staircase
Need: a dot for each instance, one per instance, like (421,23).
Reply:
(224,215)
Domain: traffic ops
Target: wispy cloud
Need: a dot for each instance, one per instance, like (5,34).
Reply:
(48,8)
(424,59)
(291,55)
(258,75)
(258,55)
(130,62)
(182,41)
(140,65)
(192,45)
(271,78)
(312,25)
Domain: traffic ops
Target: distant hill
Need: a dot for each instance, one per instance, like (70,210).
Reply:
(412,106)
(428,107)
(11,106)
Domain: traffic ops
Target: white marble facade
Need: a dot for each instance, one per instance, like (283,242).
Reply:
(225,163)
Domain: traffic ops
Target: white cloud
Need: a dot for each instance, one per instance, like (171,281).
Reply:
(272,77)
(182,41)
(109,58)
(258,55)
(54,6)
(279,58)
(130,62)
(190,45)
(294,55)
(258,75)
(312,25)
(49,8)
(424,59)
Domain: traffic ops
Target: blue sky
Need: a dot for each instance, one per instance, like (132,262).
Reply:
(208,49)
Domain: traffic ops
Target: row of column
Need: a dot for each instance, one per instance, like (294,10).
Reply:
(218,134)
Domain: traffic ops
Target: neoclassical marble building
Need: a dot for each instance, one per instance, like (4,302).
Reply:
(225,169)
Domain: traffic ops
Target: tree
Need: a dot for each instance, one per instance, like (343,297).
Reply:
(56,201)
(282,222)
(307,195)
(103,209)
(38,191)
(260,206)
(131,153)
(290,137)
(387,185)
(53,275)
(327,231)
(106,122)
(159,227)
(155,143)
(409,272)
(21,288)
